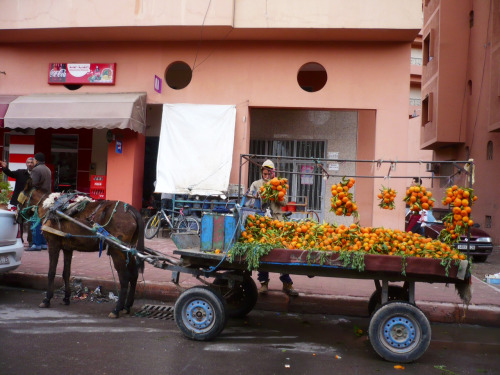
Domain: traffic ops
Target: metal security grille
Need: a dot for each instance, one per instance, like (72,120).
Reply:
(311,187)
(156,312)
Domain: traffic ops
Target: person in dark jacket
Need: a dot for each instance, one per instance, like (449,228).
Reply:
(20,175)
(42,180)
(41,174)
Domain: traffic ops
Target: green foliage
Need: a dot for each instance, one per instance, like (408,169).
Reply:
(5,192)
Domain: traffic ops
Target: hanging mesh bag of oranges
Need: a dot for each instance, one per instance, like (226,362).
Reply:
(342,202)
(387,196)
(460,200)
(419,198)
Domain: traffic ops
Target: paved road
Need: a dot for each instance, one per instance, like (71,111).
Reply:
(79,339)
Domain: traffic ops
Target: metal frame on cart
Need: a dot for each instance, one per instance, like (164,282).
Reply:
(398,330)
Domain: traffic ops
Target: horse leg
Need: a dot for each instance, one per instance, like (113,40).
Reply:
(66,274)
(53,259)
(119,262)
(133,275)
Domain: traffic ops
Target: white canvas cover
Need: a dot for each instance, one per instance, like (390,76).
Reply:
(196,149)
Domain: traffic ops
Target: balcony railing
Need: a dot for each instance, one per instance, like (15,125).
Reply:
(415,102)
(416,61)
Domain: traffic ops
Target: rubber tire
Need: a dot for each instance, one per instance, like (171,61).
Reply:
(479,258)
(211,303)
(396,293)
(188,225)
(391,313)
(149,231)
(241,299)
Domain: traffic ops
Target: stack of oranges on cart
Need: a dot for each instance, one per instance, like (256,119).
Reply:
(342,202)
(387,196)
(274,190)
(418,198)
(310,235)
(460,199)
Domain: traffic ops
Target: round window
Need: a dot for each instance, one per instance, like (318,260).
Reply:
(312,77)
(178,75)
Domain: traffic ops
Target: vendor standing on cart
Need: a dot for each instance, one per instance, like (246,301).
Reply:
(267,172)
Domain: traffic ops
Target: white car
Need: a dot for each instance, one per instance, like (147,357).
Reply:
(11,247)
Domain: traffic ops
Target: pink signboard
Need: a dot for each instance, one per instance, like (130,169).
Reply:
(82,73)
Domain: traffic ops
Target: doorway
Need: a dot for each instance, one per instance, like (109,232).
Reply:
(64,157)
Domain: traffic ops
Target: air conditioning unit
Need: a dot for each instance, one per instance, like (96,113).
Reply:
(432,167)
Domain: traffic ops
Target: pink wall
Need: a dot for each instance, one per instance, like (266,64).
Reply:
(361,76)
(125,170)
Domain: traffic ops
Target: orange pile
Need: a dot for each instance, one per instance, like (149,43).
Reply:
(342,201)
(418,198)
(387,196)
(274,190)
(309,235)
(456,222)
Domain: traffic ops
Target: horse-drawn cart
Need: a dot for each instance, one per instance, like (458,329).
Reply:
(398,329)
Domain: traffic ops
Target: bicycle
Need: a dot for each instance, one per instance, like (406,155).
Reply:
(175,223)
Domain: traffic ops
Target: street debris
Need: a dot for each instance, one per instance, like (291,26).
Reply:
(79,292)
(399,367)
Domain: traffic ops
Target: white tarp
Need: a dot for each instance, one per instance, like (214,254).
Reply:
(196,149)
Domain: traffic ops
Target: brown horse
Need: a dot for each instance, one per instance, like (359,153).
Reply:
(120,220)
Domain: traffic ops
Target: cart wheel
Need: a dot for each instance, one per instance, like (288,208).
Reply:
(200,313)
(152,226)
(240,299)
(396,293)
(399,332)
(188,224)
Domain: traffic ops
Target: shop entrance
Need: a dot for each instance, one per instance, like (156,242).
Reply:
(64,157)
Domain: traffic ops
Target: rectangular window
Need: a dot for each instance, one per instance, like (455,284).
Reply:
(291,169)
(427,105)
(428,47)
(487,221)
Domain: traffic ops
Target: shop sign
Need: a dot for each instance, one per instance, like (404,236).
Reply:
(82,73)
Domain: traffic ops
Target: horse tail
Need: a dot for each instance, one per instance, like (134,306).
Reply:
(140,236)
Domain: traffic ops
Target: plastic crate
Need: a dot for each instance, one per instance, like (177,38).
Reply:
(97,181)
(97,193)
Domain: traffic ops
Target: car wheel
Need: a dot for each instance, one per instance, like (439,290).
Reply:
(479,258)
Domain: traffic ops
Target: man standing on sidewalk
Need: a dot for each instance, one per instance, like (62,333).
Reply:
(21,176)
(41,177)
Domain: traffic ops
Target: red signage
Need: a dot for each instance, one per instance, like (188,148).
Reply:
(82,74)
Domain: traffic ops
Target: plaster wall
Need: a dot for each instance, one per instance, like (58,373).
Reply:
(361,76)
(254,14)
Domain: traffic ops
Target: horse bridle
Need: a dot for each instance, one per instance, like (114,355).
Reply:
(24,212)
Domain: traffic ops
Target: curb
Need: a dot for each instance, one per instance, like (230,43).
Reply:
(484,315)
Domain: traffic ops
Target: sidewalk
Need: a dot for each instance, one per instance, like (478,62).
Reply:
(320,295)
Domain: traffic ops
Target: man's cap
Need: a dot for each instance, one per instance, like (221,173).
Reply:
(268,164)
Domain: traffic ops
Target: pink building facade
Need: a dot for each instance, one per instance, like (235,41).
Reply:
(325,73)
(461,94)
